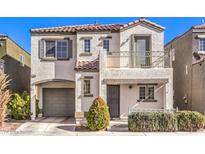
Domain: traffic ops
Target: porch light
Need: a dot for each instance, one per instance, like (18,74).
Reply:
(130,86)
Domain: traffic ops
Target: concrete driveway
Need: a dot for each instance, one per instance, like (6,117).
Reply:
(48,126)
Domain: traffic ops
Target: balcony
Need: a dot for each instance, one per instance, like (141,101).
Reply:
(133,59)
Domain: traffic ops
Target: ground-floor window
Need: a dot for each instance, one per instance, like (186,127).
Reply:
(146,93)
(87,86)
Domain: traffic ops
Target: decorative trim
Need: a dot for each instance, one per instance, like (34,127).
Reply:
(106,37)
(86,54)
(86,38)
(88,77)
(88,95)
(151,84)
(147,100)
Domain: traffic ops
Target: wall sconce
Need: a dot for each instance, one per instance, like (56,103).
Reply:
(130,86)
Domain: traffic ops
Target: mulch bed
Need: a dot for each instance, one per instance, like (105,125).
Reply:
(86,129)
(11,125)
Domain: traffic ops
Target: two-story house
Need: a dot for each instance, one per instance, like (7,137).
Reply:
(16,63)
(188,52)
(125,64)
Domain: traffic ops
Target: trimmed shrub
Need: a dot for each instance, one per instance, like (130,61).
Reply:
(5,96)
(98,117)
(190,120)
(20,106)
(152,121)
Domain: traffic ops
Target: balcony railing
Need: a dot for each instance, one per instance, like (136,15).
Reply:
(134,59)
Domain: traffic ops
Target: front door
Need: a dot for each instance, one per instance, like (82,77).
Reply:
(113,99)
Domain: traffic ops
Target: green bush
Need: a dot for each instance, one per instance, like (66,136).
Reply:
(98,117)
(152,121)
(159,121)
(20,106)
(190,121)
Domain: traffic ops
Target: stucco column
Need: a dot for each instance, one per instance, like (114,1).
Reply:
(33,102)
(169,92)
(102,70)
(78,92)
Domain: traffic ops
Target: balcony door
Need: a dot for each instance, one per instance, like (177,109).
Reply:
(142,51)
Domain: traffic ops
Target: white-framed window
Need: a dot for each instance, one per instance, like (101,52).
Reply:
(22,59)
(87,45)
(62,49)
(86,87)
(50,49)
(106,45)
(146,93)
(150,92)
(202,44)
(56,49)
(142,93)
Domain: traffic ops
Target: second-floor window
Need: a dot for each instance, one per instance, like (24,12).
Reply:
(56,49)
(202,44)
(106,45)
(87,45)
(50,49)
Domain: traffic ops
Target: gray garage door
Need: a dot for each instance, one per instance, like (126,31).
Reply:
(58,102)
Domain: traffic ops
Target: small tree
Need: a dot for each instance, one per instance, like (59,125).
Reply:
(98,117)
(5,96)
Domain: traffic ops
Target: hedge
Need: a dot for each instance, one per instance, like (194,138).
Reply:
(190,120)
(152,121)
(165,121)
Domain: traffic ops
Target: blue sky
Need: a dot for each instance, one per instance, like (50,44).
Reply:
(18,28)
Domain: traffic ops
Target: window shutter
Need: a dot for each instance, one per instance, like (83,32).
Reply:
(41,48)
(70,49)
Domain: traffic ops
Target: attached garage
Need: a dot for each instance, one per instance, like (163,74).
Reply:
(58,102)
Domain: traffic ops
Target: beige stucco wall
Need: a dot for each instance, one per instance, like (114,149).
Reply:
(96,43)
(83,103)
(133,95)
(157,37)
(54,69)
(49,70)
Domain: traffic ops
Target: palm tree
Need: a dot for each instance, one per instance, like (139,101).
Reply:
(5,96)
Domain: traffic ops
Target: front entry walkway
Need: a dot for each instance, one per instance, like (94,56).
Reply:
(48,126)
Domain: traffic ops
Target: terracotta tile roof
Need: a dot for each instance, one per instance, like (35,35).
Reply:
(144,21)
(75,28)
(87,65)
(202,26)
(95,27)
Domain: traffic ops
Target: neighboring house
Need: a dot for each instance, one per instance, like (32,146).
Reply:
(15,62)
(188,52)
(123,63)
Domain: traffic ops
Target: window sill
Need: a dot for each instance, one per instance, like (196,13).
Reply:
(88,95)
(147,100)
(86,54)
(201,52)
(48,59)
(54,59)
